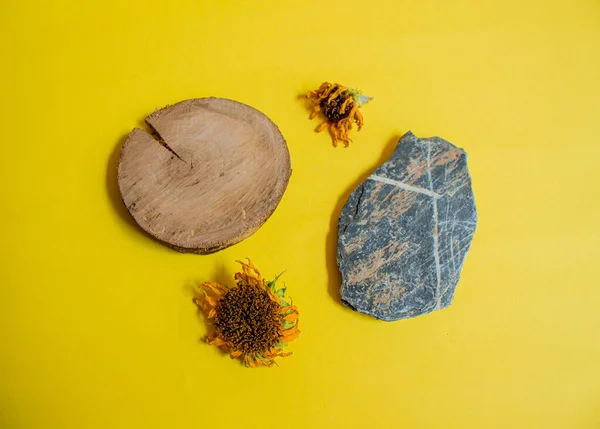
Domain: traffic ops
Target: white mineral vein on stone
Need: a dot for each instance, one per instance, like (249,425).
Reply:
(458,223)
(434,196)
(451,234)
(436,253)
(452,248)
(404,185)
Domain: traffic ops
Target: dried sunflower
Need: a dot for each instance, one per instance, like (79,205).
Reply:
(253,320)
(339,105)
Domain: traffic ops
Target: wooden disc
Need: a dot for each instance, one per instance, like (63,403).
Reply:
(210,175)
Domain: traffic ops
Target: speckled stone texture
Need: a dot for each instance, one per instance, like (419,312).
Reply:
(405,231)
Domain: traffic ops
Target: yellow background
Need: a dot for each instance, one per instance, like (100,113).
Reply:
(97,325)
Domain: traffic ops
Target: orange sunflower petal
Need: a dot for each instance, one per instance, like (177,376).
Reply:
(217,288)
(268,363)
(200,303)
(277,353)
(345,103)
(289,331)
(350,117)
(217,341)
(325,89)
(250,361)
(321,127)
(291,317)
(289,337)
(212,302)
(359,119)
(335,94)
(285,335)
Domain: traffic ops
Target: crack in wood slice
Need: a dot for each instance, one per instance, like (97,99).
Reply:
(224,172)
(160,140)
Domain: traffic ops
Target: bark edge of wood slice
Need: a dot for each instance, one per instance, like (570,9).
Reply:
(210,174)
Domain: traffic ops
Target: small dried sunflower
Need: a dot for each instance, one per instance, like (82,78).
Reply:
(339,105)
(253,320)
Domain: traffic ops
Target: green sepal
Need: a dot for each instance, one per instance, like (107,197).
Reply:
(287,324)
(272,284)
(359,97)
(281,292)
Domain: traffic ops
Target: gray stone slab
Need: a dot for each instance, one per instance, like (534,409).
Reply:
(405,231)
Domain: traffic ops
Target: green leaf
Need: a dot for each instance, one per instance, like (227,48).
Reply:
(280,345)
(284,303)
